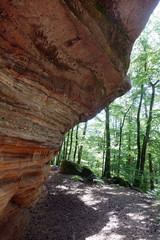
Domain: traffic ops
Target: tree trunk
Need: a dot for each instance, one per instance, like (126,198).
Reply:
(106,172)
(76,143)
(151,171)
(129,141)
(148,128)
(64,147)
(81,146)
(138,130)
(120,140)
(145,106)
(71,139)
(104,149)
(58,158)
(66,153)
(119,149)
(137,174)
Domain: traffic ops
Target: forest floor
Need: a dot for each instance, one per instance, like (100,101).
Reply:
(73,210)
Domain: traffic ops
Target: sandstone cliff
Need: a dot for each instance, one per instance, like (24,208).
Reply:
(61,62)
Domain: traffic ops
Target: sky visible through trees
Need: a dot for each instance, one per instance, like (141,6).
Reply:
(124,139)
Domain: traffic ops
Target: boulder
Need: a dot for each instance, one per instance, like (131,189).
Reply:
(71,168)
(87,174)
(119,181)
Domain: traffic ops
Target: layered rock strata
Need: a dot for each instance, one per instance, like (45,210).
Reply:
(61,62)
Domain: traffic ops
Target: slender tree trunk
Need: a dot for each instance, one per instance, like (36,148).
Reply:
(145,107)
(148,128)
(119,149)
(106,172)
(64,148)
(58,159)
(138,130)
(81,146)
(120,140)
(137,173)
(115,167)
(116,143)
(66,153)
(129,141)
(116,133)
(104,149)
(76,143)
(71,140)
(151,171)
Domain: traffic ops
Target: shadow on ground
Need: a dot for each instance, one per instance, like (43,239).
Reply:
(78,211)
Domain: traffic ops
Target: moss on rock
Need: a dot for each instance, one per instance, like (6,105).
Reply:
(71,168)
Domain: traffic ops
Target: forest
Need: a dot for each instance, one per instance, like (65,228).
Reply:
(123,140)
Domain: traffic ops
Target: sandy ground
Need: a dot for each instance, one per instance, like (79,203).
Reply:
(74,210)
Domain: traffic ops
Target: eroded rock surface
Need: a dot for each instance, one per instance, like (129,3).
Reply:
(61,62)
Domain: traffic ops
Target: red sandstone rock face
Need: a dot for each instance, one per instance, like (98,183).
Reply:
(61,62)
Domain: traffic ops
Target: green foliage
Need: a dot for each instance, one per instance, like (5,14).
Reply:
(77,178)
(155,193)
(52,162)
(158,219)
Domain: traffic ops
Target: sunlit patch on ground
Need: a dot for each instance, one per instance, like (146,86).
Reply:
(136,216)
(77,211)
(111,236)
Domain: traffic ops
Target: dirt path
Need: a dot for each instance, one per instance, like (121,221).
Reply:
(77,211)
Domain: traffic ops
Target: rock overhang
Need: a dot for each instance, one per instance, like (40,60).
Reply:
(61,62)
